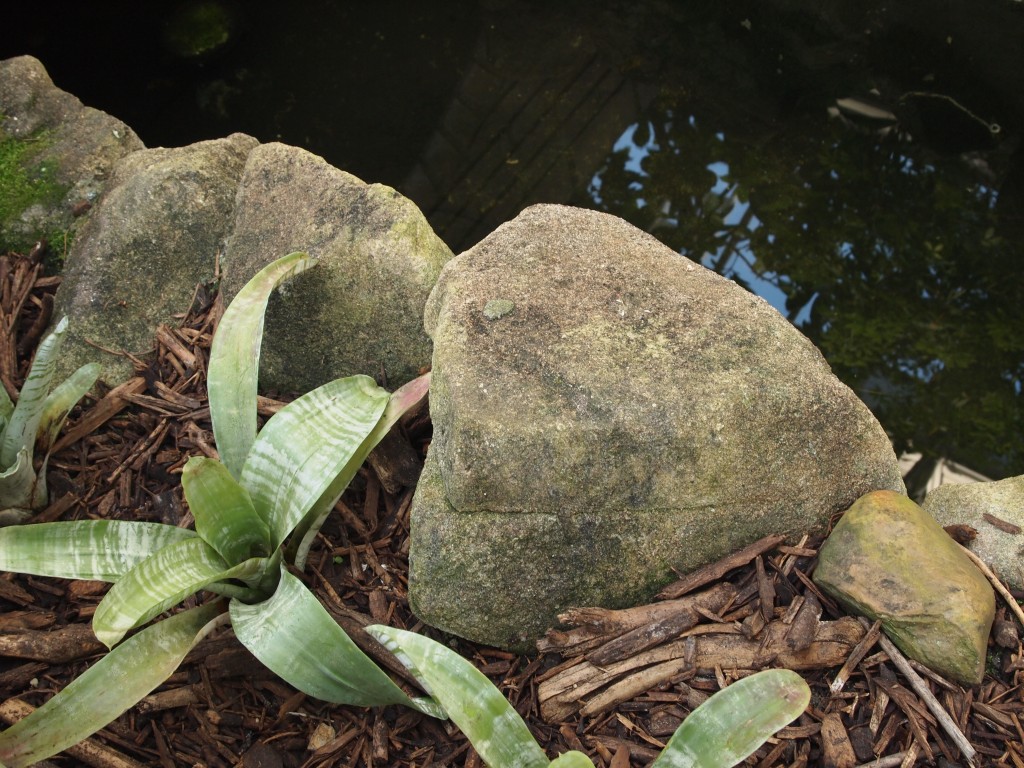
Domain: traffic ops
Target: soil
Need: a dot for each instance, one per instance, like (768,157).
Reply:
(121,457)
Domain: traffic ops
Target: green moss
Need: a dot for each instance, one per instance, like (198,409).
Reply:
(25,181)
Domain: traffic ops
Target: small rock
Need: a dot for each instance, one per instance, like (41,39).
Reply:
(888,559)
(322,735)
(996,511)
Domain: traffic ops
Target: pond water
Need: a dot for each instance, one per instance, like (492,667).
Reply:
(858,165)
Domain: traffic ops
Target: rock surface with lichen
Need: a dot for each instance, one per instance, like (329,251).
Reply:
(360,310)
(996,511)
(55,155)
(605,411)
(153,238)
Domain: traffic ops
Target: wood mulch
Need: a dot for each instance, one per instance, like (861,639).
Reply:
(614,684)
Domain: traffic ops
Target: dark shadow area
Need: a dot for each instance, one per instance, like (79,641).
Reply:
(858,165)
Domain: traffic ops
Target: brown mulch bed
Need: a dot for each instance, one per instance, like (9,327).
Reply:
(616,686)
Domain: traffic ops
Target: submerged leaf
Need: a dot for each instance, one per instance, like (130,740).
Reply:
(493,727)
(732,724)
(235,360)
(103,550)
(298,640)
(109,687)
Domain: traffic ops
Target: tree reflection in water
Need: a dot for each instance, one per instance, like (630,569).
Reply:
(889,256)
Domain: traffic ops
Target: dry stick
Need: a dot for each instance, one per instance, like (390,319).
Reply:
(926,695)
(1003,591)
(104,410)
(714,571)
(855,657)
(889,761)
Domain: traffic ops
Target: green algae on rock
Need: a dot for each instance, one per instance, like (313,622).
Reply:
(888,559)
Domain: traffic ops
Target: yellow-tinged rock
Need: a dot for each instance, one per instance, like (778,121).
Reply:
(888,559)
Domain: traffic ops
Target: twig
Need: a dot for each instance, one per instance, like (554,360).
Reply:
(997,584)
(856,655)
(921,689)
(714,571)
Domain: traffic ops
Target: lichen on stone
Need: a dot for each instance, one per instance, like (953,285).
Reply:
(498,308)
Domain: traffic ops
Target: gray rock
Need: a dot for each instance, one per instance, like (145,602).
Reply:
(888,559)
(154,235)
(606,410)
(969,503)
(56,153)
(360,311)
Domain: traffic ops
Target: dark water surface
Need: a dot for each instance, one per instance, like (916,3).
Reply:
(858,165)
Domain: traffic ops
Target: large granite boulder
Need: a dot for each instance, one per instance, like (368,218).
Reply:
(361,310)
(996,511)
(888,559)
(55,155)
(154,235)
(606,410)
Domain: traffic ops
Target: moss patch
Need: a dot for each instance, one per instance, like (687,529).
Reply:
(26,181)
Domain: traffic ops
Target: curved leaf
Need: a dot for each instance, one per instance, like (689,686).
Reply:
(572,759)
(108,688)
(165,578)
(399,402)
(302,450)
(732,724)
(18,486)
(493,727)
(24,422)
(62,399)
(299,641)
(84,549)
(225,516)
(235,360)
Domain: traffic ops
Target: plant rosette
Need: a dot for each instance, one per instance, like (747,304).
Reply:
(256,510)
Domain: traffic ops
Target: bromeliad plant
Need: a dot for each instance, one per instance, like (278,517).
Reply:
(721,732)
(35,420)
(257,509)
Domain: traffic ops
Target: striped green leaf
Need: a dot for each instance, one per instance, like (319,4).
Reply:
(299,455)
(732,724)
(103,550)
(225,516)
(62,399)
(6,406)
(493,727)
(572,759)
(112,685)
(295,637)
(24,421)
(159,582)
(235,360)
(400,402)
